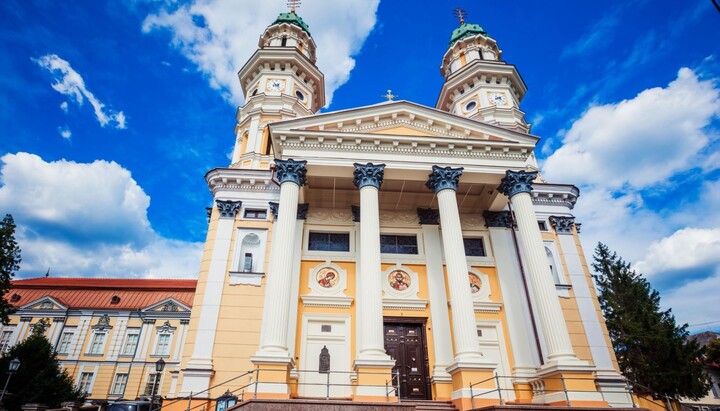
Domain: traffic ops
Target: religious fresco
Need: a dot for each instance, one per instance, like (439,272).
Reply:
(327,277)
(399,280)
(475,283)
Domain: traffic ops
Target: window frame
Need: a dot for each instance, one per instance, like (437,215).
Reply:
(114,390)
(101,346)
(89,382)
(397,235)
(336,255)
(167,346)
(483,245)
(132,332)
(66,343)
(5,343)
(328,233)
(251,210)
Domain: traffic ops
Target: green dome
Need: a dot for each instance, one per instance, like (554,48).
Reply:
(292,18)
(466,30)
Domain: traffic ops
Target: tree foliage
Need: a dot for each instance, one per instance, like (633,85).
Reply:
(653,352)
(9,263)
(39,378)
(712,352)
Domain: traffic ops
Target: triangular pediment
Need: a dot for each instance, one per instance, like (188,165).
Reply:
(46,303)
(401,119)
(168,305)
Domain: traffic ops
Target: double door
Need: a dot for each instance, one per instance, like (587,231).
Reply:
(405,342)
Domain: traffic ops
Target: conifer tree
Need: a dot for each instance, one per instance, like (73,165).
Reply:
(9,263)
(653,352)
(39,378)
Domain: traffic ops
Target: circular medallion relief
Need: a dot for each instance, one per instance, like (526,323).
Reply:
(399,280)
(327,278)
(475,283)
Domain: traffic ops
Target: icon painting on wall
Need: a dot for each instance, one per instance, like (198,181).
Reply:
(327,277)
(399,280)
(475,283)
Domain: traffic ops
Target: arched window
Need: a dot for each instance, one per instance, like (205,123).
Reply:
(553,266)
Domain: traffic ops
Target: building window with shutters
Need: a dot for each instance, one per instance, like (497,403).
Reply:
(118,387)
(65,341)
(5,341)
(131,342)
(97,343)
(85,382)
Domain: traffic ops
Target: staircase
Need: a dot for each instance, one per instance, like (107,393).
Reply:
(429,405)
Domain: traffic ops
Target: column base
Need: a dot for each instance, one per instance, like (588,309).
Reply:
(613,388)
(441,383)
(473,371)
(560,384)
(196,376)
(374,381)
(272,374)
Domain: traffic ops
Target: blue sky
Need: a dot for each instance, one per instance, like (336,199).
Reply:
(112,112)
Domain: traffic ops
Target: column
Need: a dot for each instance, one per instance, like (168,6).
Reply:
(430,220)
(199,369)
(444,181)
(514,295)
(291,175)
(369,178)
(372,365)
(517,185)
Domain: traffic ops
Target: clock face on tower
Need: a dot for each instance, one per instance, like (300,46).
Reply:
(275,85)
(498,99)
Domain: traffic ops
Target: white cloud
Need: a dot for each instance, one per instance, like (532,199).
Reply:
(71,84)
(87,219)
(685,249)
(695,302)
(641,141)
(219,40)
(65,132)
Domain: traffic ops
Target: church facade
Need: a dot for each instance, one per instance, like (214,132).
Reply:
(393,250)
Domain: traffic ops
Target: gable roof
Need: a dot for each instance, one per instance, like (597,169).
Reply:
(98,293)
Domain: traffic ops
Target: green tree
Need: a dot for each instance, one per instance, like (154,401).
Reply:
(652,351)
(712,351)
(9,263)
(39,378)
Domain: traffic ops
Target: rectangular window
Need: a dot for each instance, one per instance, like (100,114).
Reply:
(329,241)
(256,214)
(118,387)
(398,244)
(5,341)
(97,344)
(85,382)
(474,247)
(151,388)
(163,344)
(65,341)
(542,225)
(131,342)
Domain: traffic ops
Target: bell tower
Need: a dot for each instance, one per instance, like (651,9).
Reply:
(478,83)
(280,81)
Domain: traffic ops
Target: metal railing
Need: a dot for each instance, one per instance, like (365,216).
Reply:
(538,389)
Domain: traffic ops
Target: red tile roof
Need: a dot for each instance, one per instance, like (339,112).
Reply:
(97,293)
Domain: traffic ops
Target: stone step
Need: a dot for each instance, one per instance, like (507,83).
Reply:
(430,405)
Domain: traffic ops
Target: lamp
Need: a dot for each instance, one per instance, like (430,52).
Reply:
(225,401)
(159,367)
(12,369)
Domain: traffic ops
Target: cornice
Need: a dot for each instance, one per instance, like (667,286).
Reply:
(477,74)
(564,195)
(241,180)
(267,105)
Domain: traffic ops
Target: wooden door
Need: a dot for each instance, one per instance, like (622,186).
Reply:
(406,344)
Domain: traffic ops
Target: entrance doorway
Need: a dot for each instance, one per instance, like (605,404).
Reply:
(405,342)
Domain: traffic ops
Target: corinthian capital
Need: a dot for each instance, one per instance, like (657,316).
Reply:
(501,219)
(291,170)
(442,178)
(368,175)
(228,208)
(563,225)
(516,182)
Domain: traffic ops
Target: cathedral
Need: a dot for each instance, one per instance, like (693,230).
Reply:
(392,252)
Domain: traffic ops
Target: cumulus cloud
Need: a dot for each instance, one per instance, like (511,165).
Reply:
(219,40)
(685,249)
(87,219)
(641,141)
(70,83)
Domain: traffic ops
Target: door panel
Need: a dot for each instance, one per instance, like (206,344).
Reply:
(405,343)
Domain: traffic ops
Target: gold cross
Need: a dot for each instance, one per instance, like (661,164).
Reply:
(293,4)
(461,14)
(389,96)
